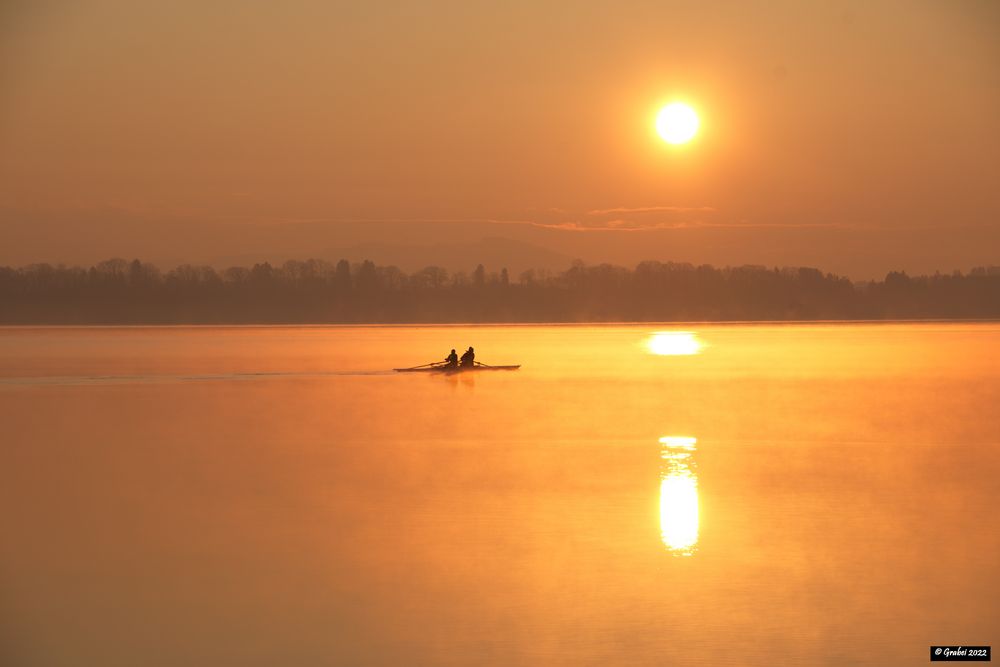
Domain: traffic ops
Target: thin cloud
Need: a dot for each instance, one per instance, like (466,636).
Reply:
(582,224)
(620,225)
(320,221)
(589,222)
(651,209)
(616,225)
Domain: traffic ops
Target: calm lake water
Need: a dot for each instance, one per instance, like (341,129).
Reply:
(634,495)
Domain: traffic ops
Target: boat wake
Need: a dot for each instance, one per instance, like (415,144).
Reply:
(73,380)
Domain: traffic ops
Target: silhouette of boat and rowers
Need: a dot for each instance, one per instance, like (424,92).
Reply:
(452,364)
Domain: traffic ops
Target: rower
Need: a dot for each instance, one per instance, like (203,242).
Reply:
(452,359)
(469,358)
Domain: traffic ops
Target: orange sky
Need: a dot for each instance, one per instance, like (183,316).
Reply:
(858,137)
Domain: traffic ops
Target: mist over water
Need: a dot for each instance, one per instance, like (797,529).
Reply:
(647,495)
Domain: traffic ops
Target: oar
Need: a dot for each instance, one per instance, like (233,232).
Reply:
(433,363)
(479,363)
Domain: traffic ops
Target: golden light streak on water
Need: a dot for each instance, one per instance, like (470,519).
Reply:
(679,515)
(674,343)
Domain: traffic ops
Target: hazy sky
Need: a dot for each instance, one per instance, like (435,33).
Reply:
(853,136)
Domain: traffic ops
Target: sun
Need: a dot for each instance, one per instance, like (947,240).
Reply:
(677,123)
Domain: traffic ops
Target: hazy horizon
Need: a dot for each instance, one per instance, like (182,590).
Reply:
(121,292)
(411,246)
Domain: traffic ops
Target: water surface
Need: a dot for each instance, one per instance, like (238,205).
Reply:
(643,495)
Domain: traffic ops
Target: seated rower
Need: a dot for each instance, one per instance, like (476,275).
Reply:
(469,358)
(451,360)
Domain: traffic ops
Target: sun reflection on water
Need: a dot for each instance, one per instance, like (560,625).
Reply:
(674,343)
(678,495)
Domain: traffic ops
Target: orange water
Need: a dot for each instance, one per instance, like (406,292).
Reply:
(642,495)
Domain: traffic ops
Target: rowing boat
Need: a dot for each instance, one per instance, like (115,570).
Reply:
(445,368)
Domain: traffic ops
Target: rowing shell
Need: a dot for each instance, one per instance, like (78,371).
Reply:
(456,369)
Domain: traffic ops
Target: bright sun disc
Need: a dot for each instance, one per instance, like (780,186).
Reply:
(677,123)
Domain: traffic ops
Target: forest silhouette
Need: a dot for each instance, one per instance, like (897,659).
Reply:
(117,291)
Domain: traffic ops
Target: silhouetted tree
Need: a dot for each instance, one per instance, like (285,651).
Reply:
(314,291)
(367,277)
(343,275)
(261,274)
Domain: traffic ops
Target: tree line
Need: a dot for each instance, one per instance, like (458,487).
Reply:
(117,291)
